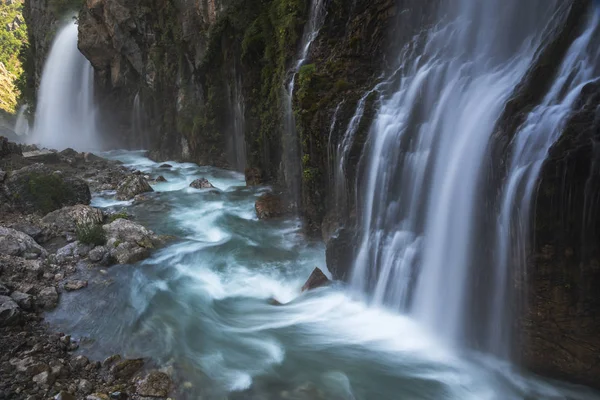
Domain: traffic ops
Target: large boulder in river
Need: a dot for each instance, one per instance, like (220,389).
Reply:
(316,279)
(129,242)
(67,218)
(201,183)
(15,243)
(269,205)
(132,186)
(36,188)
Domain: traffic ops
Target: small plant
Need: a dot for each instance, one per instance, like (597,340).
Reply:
(90,233)
(116,216)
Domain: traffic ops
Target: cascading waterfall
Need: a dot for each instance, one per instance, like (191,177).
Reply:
(65,115)
(424,187)
(138,126)
(22,123)
(237,137)
(291,151)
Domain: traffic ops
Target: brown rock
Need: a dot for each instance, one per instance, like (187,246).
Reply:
(127,368)
(154,384)
(269,206)
(201,183)
(316,279)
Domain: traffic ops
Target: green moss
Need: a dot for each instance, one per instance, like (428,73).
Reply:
(90,233)
(116,216)
(47,192)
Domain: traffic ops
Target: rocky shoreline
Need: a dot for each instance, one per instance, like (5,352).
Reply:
(50,238)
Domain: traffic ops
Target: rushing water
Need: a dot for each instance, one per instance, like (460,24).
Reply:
(421,238)
(65,115)
(201,305)
(22,123)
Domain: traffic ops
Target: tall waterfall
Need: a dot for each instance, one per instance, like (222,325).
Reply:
(65,115)
(140,132)
(291,150)
(22,123)
(237,137)
(421,227)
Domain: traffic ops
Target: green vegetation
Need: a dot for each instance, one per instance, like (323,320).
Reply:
(90,233)
(120,215)
(13,36)
(47,192)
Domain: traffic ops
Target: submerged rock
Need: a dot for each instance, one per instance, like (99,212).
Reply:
(201,183)
(132,186)
(154,384)
(269,205)
(316,279)
(15,243)
(161,178)
(165,166)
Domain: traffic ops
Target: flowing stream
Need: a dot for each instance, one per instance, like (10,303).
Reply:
(202,305)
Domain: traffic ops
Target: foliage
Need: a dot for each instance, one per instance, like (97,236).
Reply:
(120,215)
(90,233)
(13,36)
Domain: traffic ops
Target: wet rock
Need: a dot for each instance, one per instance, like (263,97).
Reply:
(127,368)
(132,186)
(80,362)
(15,243)
(47,298)
(201,183)
(97,396)
(85,387)
(161,178)
(97,254)
(274,302)
(71,286)
(154,384)
(129,253)
(44,379)
(36,188)
(340,253)
(8,148)
(316,279)
(66,219)
(269,206)
(29,366)
(10,313)
(24,300)
(253,177)
(165,166)
(64,395)
(130,242)
(108,361)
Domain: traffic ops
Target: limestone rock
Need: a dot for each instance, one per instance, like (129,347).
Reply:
(24,300)
(316,279)
(44,379)
(132,186)
(154,384)
(10,314)
(15,243)
(201,183)
(75,285)
(97,254)
(67,218)
(129,242)
(47,298)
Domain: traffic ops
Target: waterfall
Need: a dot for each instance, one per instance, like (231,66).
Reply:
(65,115)
(291,150)
(140,133)
(422,237)
(237,136)
(22,123)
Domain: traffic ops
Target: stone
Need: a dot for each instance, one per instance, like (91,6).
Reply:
(316,279)
(269,206)
(165,166)
(154,384)
(66,219)
(129,242)
(42,156)
(97,254)
(127,368)
(110,360)
(47,298)
(15,243)
(10,313)
(64,395)
(80,362)
(4,291)
(129,253)
(71,286)
(253,177)
(29,366)
(161,178)
(8,148)
(132,186)
(339,253)
(35,231)
(2,175)
(44,379)
(97,396)
(24,300)
(84,386)
(38,189)
(201,183)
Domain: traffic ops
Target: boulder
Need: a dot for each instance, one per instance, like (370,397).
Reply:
(44,379)
(66,219)
(154,384)
(129,253)
(269,206)
(8,148)
(165,166)
(36,188)
(316,279)
(161,178)
(201,183)
(97,254)
(42,156)
(47,298)
(85,387)
(10,314)
(29,366)
(24,300)
(127,368)
(130,242)
(71,286)
(4,291)
(15,243)
(80,362)
(132,186)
